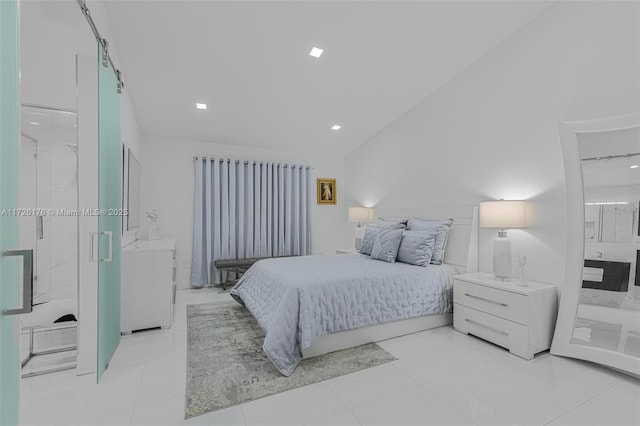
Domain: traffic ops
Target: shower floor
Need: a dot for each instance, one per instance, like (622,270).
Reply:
(50,363)
(49,349)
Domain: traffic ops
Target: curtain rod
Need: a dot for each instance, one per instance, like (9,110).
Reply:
(203,157)
(106,59)
(611,157)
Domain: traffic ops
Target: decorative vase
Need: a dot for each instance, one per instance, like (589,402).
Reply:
(154,229)
(522,261)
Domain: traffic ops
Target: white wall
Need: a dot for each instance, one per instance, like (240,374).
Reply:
(168,186)
(491,132)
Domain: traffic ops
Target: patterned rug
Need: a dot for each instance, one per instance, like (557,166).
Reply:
(226,365)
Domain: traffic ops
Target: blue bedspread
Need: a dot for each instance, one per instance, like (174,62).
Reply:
(297,300)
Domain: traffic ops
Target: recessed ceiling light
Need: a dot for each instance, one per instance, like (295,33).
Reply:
(336,127)
(35,123)
(201,106)
(635,166)
(316,52)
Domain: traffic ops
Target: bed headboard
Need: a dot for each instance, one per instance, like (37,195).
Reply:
(462,245)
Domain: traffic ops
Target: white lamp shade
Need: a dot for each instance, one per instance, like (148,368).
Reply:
(503,214)
(359,214)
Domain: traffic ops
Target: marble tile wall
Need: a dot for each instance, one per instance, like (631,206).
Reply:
(49,182)
(63,229)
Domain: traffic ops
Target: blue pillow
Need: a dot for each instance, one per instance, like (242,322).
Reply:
(442,228)
(371,233)
(387,244)
(416,247)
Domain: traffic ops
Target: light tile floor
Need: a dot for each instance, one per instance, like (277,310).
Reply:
(442,377)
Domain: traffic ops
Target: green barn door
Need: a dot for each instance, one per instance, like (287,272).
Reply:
(109,219)
(13,280)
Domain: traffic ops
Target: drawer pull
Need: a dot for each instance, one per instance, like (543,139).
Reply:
(486,300)
(486,326)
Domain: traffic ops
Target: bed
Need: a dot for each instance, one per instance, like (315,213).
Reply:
(312,305)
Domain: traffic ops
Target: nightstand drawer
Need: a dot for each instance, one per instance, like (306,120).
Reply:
(503,304)
(507,334)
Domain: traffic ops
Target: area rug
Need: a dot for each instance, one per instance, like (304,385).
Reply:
(226,365)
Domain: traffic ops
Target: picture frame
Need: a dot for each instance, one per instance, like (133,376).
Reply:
(327,191)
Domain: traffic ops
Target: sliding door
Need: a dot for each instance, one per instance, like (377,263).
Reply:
(109,214)
(9,264)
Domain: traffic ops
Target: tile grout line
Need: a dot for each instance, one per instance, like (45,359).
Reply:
(145,366)
(335,394)
(521,387)
(581,404)
(135,402)
(398,371)
(446,403)
(469,358)
(543,398)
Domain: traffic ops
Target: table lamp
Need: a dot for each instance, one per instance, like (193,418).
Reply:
(503,214)
(359,215)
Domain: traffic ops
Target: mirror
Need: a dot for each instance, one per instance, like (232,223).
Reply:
(133,193)
(599,317)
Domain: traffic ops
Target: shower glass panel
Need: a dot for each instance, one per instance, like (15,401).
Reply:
(48,190)
(110,218)
(35,195)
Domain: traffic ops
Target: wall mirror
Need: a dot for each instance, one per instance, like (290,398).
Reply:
(599,318)
(133,193)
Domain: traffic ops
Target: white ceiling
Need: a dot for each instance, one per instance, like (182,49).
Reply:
(249,62)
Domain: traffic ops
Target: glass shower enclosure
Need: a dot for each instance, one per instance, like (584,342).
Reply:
(48,196)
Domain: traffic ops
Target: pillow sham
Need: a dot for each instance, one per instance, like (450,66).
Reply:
(371,233)
(387,244)
(416,247)
(442,228)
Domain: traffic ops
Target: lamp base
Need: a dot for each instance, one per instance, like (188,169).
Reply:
(358,239)
(502,258)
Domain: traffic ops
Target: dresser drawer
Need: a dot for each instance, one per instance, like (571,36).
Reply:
(502,332)
(500,303)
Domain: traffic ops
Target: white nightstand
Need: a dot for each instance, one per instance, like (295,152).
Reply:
(346,251)
(520,319)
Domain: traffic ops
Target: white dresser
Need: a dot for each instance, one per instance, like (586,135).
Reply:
(148,284)
(521,319)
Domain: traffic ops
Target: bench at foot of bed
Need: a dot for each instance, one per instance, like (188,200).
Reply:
(239,266)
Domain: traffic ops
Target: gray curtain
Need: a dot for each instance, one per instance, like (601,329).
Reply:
(247,209)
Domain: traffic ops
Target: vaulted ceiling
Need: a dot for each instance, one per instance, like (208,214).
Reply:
(249,62)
